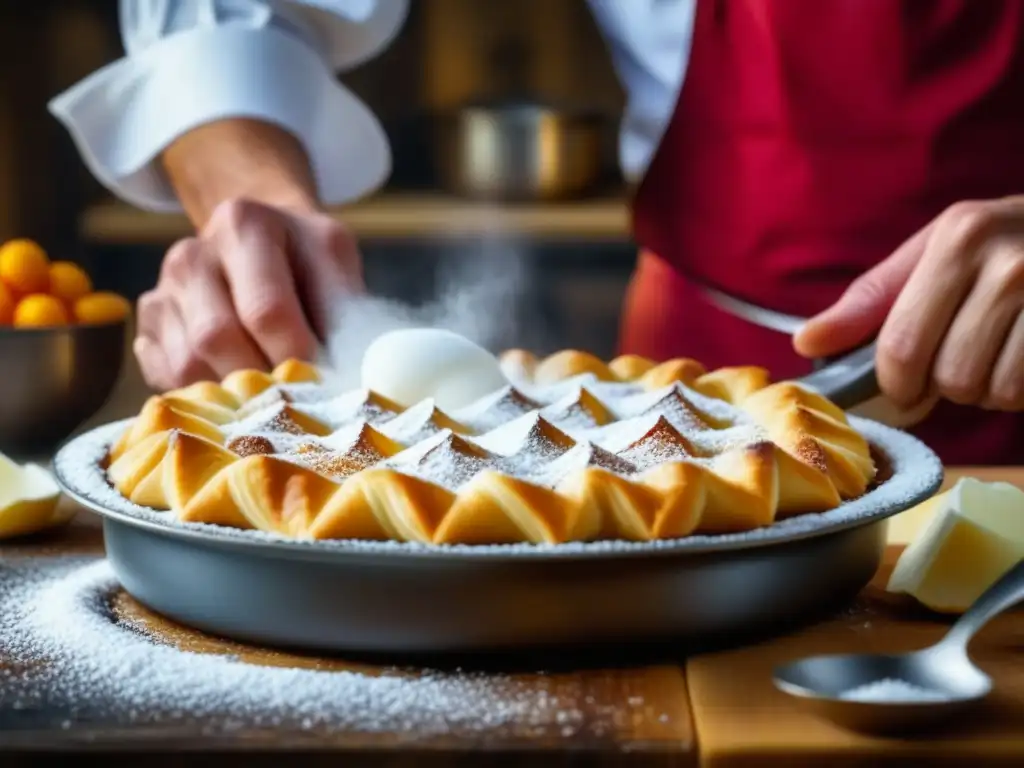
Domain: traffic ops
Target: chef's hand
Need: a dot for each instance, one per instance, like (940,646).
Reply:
(947,308)
(252,287)
(247,292)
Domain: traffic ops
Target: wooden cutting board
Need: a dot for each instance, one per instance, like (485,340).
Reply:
(605,715)
(741,720)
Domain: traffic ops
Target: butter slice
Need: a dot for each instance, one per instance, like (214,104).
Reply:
(29,500)
(974,534)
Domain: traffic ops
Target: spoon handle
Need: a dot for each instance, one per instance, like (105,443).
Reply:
(1006,592)
(847,381)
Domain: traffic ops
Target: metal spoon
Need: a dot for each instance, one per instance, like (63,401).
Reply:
(847,380)
(826,685)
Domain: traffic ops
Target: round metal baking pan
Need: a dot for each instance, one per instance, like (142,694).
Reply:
(407,598)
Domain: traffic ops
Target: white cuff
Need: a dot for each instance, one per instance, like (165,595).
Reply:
(353,30)
(123,116)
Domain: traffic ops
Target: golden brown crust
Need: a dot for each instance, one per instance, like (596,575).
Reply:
(729,384)
(176,456)
(630,367)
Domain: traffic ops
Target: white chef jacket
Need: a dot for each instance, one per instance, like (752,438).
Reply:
(189,62)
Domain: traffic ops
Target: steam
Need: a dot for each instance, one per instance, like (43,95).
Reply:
(479,299)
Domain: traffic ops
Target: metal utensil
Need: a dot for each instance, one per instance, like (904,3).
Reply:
(398,598)
(520,150)
(53,380)
(752,313)
(847,380)
(821,684)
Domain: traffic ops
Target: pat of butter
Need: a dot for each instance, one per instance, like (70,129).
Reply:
(29,499)
(974,534)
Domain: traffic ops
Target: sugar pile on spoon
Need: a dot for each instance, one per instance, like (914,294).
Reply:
(892,691)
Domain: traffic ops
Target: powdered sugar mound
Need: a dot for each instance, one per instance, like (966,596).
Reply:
(607,391)
(275,418)
(893,691)
(614,391)
(496,409)
(579,457)
(523,434)
(673,402)
(659,444)
(342,453)
(345,438)
(640,413)
(279,443)
(304,392)
(916,474)
(678,412)
(527,446)
(577,412)
(308,391)
(718,410)
(707,442)
(417,423)
(651,437)
(346,408)
(64,651)
(445,459)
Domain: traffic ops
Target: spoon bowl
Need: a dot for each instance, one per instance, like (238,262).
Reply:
(881,693)
(885,693)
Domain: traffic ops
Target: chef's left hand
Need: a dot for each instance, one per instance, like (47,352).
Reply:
(947,308)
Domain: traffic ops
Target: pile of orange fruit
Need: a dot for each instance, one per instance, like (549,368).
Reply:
(38,293)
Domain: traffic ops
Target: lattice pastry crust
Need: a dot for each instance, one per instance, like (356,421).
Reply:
(573,449)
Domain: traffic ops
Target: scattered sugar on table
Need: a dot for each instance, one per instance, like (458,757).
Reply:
(65,653)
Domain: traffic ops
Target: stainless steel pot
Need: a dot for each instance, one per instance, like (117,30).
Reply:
(520,151)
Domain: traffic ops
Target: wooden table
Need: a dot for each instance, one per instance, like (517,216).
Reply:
(714,710)
(741,720)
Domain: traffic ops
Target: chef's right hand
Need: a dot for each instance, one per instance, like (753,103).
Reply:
(249,291)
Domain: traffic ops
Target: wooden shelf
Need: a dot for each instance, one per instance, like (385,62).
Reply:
(398,216)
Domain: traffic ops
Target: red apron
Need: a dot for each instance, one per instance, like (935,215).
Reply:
(811,138)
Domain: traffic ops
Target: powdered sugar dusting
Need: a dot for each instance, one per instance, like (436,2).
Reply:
(657,449)
(417,423)
(616,425)
(579,457)
(64,652)
(916,474)
(494,410)
(258,441)
(577,412)
(341,454)
(275,418)
(349,407)
(447,460)
(278,394)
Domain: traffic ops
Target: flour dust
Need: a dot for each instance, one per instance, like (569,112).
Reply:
(481,292)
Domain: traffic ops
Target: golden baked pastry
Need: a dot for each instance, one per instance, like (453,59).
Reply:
(573,449)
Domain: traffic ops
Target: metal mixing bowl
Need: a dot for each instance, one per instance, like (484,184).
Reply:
(52,380)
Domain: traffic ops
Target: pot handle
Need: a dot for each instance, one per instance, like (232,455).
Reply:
(847,381)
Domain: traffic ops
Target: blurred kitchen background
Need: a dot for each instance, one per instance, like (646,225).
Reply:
(570,228)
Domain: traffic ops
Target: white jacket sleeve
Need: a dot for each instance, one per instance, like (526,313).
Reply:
(190,62)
